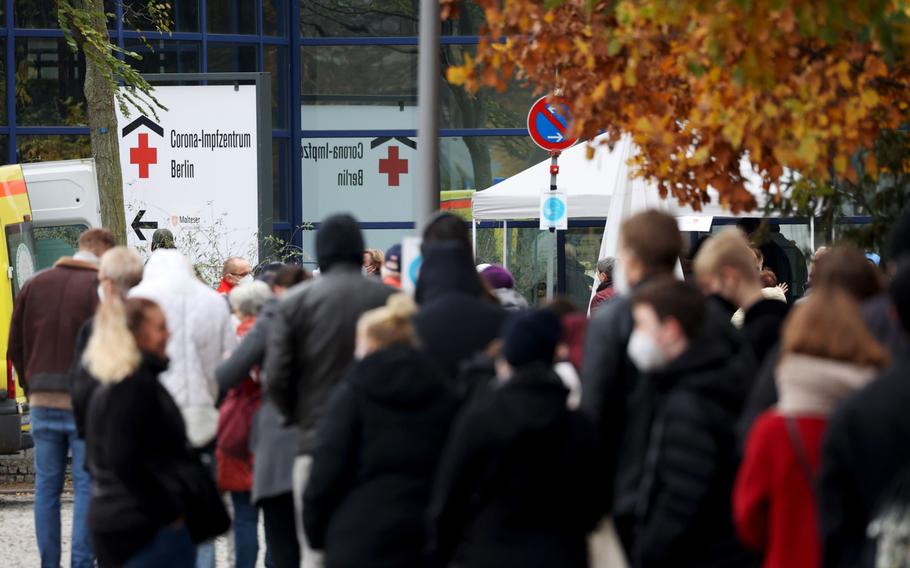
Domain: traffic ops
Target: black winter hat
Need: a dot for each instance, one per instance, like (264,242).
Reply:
(339,241)
(899,291)
(899,241)
(531,337)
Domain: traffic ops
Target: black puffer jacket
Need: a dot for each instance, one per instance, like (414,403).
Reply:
(455,321)
(616,398)
(378,446)
(683,514)
(519,484)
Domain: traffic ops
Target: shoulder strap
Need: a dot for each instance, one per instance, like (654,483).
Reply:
(796,441)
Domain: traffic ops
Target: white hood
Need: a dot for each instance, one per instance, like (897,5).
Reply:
(199,321)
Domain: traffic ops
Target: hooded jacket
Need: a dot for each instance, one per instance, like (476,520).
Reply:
(774,503)
(377,451)
(682,514)
(311,340)
(49,312)
(201,336)
(520,483)
(455,321)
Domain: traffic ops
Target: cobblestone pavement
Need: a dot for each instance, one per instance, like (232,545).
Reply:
(18,548)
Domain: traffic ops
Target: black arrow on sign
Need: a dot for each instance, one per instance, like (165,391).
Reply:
(138,223)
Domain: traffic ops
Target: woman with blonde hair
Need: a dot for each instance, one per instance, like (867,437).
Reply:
(377,448)
(826,353)
(147,482)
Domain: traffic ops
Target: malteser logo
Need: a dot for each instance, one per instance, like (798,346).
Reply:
(143,155)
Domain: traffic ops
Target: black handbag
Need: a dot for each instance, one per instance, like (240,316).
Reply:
(205,513)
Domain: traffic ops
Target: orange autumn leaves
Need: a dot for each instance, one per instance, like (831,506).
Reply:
(705,86)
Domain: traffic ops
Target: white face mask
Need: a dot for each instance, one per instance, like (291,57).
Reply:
(620,281)
(644,351)
(248,279)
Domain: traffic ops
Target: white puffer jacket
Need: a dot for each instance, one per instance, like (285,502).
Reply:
(199,321)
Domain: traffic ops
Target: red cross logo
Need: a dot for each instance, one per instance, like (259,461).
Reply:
(393,166)
(143,155)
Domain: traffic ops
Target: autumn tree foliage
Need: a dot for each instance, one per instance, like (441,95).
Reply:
(704,86)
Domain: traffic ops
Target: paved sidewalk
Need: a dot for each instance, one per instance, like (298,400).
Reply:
(18,548)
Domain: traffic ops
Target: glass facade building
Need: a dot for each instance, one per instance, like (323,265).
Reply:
(344,72)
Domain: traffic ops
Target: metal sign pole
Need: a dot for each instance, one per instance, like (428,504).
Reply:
(427,194)
(551,257)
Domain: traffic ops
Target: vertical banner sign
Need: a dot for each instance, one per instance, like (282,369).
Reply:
(411,260)
(193,170)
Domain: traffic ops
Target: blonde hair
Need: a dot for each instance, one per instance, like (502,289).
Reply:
(391,324)
(111,354)
(729,248)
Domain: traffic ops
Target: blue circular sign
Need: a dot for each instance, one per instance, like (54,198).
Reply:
(414,269)
(553,209)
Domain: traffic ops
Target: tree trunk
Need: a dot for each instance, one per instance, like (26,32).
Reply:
(102,120)
(480,158)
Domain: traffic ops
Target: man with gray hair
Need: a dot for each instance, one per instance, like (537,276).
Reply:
(605,283)
(119,270)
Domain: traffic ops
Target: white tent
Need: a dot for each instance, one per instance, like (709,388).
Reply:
(589,185)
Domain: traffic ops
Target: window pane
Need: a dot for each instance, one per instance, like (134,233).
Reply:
(165,56)
(281,175)
(43,13)
(376,87)
(477,162)
(52,243)
(47,148)
(275,17)
(4,150)
(231,16)
(49,78)
(379,18)
(485,109)
(328,18)
(276,63)
(183,14)
(3,89)
(468,23)
(368,86)
(225,58)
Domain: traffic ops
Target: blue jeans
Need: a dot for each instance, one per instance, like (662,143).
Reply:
(246,530)
(172,548)
(54,433)
(205,552)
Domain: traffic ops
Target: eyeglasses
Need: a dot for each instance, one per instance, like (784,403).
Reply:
(242,274)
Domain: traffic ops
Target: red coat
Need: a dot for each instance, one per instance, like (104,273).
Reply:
(224,287)
(773,505)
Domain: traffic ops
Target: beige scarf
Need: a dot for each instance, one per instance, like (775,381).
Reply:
(814,386)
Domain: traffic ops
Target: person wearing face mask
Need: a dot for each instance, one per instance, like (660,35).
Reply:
(726,266)
(236,271)
(649,248)
(520,483)
(682,509)
(377,447)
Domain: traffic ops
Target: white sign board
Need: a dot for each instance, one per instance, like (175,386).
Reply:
(371,178)
(193,170)
(554,211)
(411,260)
(695,223)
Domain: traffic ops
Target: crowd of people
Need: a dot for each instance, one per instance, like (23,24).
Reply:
(711,421)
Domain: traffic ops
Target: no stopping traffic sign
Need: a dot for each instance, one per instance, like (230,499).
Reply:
(549,122)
